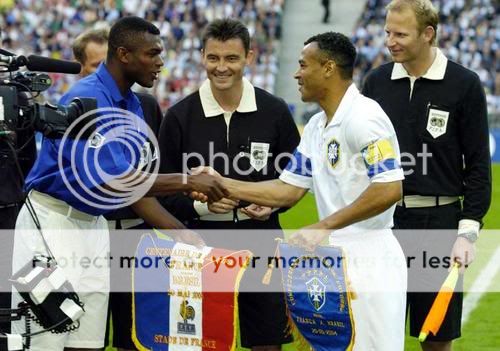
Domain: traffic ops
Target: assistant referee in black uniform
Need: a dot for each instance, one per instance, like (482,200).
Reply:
(438,109)
(251,128)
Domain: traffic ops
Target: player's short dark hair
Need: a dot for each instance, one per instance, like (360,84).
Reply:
(226,29)
(337,47)
(99,36)
(128,32)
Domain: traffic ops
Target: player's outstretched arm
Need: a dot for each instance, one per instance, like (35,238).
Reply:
(202,186)
(271,193)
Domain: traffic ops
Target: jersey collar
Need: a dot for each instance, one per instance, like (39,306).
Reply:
(345,106)
(435,72)
(107,79)
(211,107)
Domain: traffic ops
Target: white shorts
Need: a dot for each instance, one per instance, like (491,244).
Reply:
(376,268)
(81,249)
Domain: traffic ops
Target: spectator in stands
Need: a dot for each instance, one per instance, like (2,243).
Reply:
(326,9)
(180,23)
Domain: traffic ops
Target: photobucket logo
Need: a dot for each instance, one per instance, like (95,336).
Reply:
(243,163)
(122,149)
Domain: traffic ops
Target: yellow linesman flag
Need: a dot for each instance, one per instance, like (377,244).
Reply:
(438,310)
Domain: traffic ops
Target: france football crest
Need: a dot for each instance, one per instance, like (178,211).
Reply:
(333,152)
(187,312)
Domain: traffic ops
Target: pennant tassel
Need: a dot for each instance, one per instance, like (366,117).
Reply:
(266,279)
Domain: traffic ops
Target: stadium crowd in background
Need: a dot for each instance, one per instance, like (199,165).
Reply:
(28,28)
(469,35)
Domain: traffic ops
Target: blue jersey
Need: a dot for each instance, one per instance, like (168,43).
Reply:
(78,180)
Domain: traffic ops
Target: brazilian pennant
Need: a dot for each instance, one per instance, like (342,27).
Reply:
(317,296)
(185,298)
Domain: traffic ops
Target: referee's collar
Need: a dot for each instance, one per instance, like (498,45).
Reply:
(211,107)
(435,72)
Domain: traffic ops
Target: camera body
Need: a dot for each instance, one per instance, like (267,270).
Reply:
(18,111)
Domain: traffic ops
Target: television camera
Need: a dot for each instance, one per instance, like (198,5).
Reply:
(19,111)
(49,299)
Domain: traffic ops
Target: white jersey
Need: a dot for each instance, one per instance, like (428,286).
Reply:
(338,162)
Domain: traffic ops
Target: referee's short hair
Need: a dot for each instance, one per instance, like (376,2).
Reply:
(226,29)
(337,47)
(128,32)
(99,36)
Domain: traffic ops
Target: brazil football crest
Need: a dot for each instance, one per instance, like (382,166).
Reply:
(333,152)
(316,292)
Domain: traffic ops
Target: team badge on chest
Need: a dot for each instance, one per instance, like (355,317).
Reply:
(96,141)
(437,121)
(333,152)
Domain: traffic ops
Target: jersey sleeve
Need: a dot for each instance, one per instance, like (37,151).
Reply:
(374,137)
(298,171)
(101,158)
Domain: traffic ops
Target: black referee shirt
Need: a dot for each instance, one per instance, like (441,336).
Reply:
(185,129)
(460,164)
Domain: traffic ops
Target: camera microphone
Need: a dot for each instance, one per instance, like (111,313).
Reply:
(45,64)
(41,64)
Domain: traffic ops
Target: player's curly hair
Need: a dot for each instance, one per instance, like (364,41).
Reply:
(337,47)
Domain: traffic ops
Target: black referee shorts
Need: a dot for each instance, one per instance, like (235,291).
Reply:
(437,233)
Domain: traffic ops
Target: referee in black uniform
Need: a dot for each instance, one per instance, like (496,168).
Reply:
(438,109)
(250,127)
